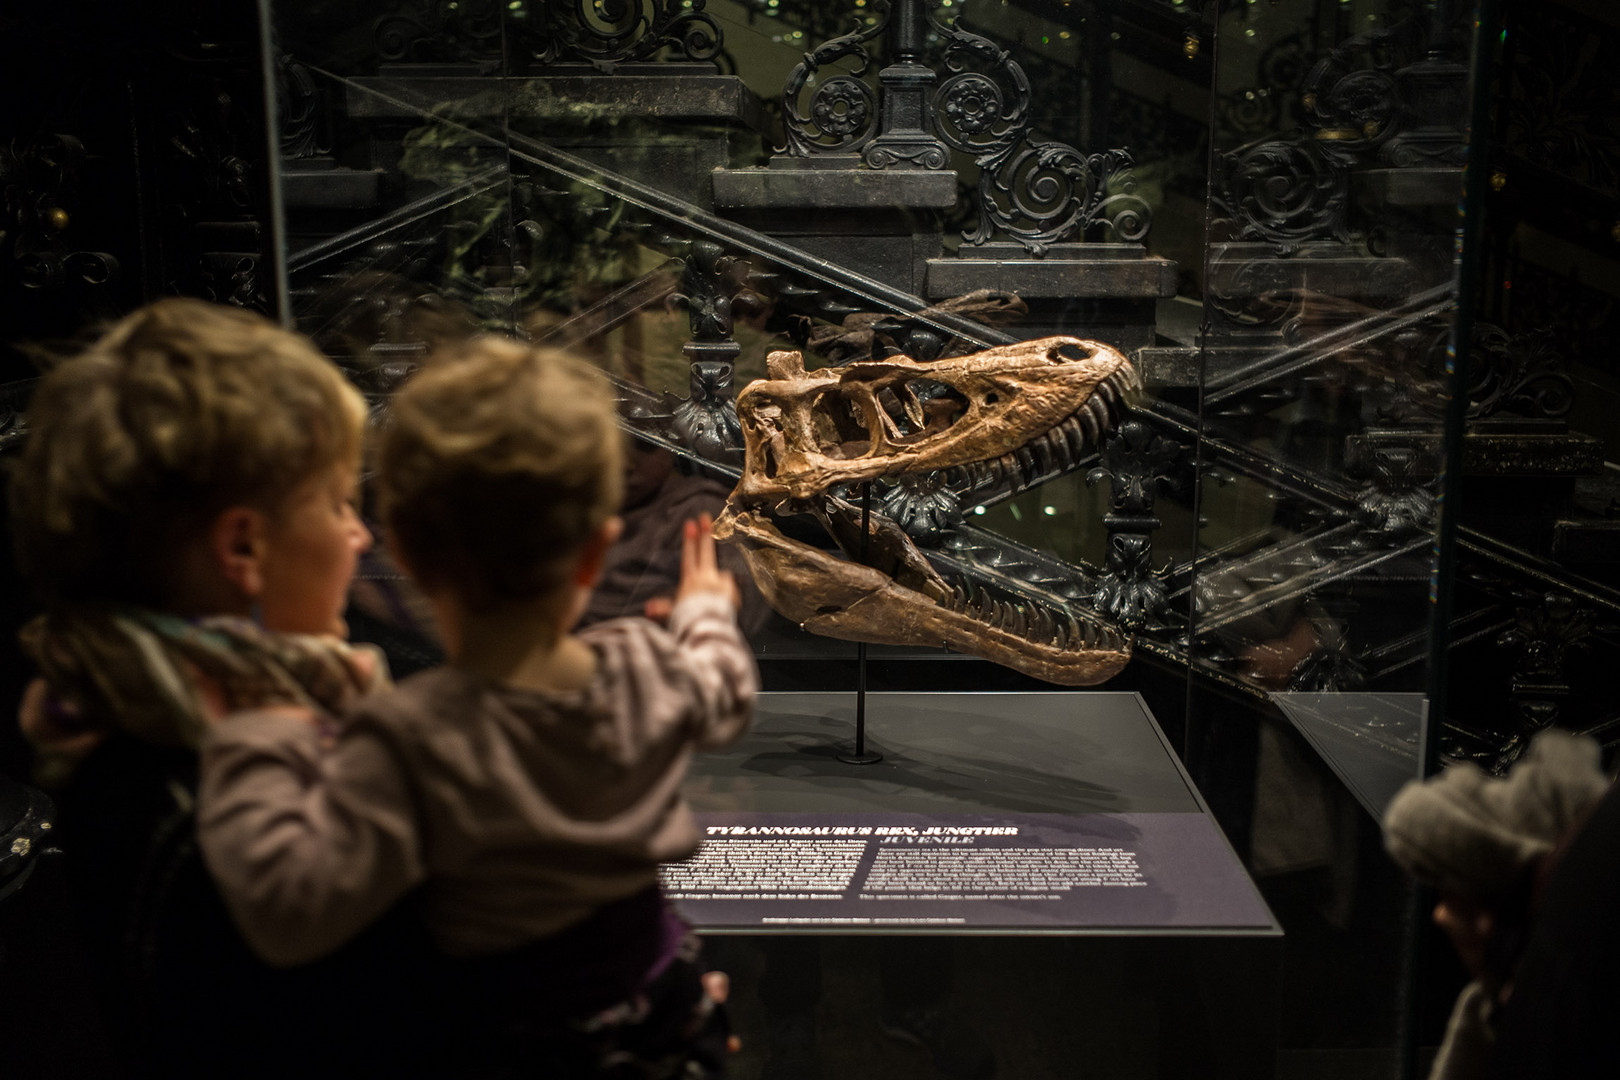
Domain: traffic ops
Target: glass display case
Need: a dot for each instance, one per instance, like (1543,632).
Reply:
(1298,481)
(1083,387)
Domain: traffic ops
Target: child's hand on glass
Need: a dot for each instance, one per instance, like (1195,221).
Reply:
(700,572)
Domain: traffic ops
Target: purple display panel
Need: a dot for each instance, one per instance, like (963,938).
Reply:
(1132,872)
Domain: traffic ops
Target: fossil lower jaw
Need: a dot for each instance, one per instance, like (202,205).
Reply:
(837,598)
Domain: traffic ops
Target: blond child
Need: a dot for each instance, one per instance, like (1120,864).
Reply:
(184,508)
(531,786)
(188,483)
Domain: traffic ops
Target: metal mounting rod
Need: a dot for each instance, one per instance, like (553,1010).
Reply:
(860,755)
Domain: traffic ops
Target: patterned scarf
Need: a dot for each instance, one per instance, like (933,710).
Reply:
(164,679)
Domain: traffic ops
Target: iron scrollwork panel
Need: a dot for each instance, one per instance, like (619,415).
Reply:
(842,112)
(599,32)
(1037,192)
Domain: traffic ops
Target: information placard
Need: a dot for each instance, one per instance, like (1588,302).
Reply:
(888,871)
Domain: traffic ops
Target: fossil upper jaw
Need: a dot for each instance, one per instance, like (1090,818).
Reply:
(1026,409)
(808,432)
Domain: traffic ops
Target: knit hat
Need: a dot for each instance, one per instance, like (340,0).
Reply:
(1471,835)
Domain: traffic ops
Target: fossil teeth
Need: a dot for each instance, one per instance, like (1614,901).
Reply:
(1073,638)
(1026,462)
(1088,422)
(1041,626)
(1054,451)
(1105,417)
(1075,436)
(1060,448)
(1041,451)
(1018,622)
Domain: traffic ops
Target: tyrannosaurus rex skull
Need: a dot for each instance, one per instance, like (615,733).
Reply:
(811,438)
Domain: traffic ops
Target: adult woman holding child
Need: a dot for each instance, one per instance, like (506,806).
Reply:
(184,509)
(186,505)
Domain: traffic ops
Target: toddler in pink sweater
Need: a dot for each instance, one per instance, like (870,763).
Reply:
(529,789)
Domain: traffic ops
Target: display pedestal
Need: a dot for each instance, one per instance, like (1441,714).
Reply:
(1013,818)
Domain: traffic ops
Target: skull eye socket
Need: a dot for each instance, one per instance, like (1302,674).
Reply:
(1068,353)
(840,430)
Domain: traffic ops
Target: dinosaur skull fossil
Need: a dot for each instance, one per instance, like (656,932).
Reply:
(811,439)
